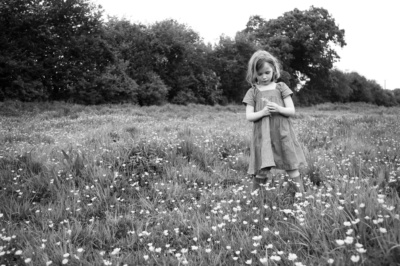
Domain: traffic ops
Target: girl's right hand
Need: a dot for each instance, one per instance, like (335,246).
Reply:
(265,111)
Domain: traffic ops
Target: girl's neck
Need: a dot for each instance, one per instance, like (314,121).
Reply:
(269,86)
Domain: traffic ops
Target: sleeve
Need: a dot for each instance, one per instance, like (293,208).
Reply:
(249,98)
(285,90)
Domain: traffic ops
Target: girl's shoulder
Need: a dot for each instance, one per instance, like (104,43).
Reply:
(284,89)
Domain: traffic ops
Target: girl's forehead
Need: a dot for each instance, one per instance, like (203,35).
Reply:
(266,66)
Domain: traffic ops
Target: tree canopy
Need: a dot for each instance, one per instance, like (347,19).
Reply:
(63,50)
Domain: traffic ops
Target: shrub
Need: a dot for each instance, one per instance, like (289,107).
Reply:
(153,92)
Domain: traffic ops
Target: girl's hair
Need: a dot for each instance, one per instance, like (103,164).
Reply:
(257,61)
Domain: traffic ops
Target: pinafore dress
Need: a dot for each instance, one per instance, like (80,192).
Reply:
(273,142)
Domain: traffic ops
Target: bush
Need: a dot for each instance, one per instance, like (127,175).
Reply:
(184,97)
(153,92)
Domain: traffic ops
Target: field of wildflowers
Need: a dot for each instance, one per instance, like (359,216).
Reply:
(167,185)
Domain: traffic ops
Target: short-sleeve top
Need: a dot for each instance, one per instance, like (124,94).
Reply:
(273,142)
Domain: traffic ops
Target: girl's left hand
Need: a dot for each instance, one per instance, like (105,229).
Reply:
(273,107)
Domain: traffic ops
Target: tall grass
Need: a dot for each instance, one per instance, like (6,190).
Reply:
(124,185)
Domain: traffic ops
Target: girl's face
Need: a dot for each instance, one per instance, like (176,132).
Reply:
(264,75)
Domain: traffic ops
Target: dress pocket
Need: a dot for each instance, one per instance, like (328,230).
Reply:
(288,151)
(284,130)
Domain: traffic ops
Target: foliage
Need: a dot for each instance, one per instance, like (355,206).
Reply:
(302,40)
(229,60)
(153,92)
(62,50)
(50,49)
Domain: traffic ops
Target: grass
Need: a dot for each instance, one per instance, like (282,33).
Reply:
(124,185)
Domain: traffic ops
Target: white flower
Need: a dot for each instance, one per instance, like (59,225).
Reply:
(275,257)
(292,256)
(115,251)
(264,261)
(64,261)
(349,240)
(248,261)
(145,257)
(330,261)
(27,260)
(361,250)
(383,230)
(355,258)
(18,252)
(257,238)
(347,223)
(208,250)
(340,242)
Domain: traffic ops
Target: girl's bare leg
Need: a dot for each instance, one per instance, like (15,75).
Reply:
(261,178)
(295,175)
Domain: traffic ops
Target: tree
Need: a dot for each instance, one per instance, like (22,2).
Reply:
(51,49)
(180,59)
(302,40)
(229,60)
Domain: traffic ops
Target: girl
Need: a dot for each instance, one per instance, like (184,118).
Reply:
(269,106)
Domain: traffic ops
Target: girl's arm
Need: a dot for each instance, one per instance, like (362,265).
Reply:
(254,116)
(288,110)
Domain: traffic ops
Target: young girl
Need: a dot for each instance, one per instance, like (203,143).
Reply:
(269,106)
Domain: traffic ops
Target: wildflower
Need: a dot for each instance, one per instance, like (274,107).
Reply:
(340,242)
(145,257)
(27,260)
(248,261)
(361,250)
(292,256)
(64,261)
(347,223)
(330,261)
(48,263)
(18,252)
(275,257)
(257,238)
(383,230)
(195,248)
(208,250)
(264,261)
(66,255)
(349,240)
(80,250)
(355,258)
(115,251)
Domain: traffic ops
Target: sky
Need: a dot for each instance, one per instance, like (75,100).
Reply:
(371,27)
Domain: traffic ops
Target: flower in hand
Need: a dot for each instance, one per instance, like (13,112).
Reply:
(273,107)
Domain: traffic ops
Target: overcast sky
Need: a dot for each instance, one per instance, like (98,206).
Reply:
(371,27)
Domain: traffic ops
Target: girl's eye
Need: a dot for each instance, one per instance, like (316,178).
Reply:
(266,73)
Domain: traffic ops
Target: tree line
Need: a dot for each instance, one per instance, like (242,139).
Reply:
(63,50)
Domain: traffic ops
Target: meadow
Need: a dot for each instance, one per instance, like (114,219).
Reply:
(167,185)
